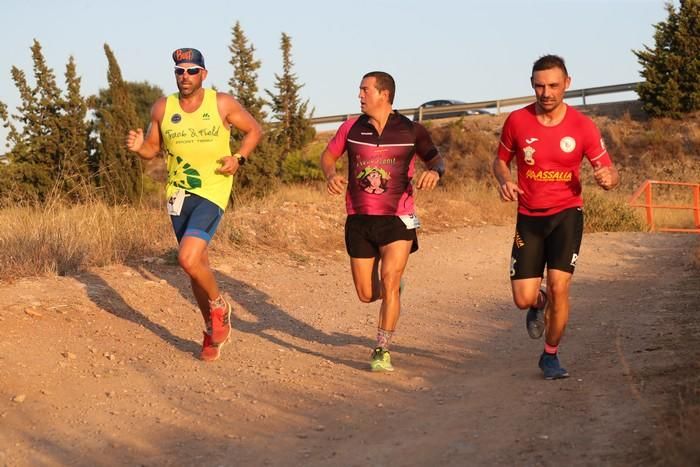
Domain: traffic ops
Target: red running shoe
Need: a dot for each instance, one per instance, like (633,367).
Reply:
(210,351)
(220,322)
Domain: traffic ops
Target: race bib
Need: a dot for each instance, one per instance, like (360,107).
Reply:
(175,203)
(411,221)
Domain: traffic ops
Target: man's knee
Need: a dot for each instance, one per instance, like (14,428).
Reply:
(522,302)
(558,289)
(391,282)
(189,261)
(366,294)
(364,298)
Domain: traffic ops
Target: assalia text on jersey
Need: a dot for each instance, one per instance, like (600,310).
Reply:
(548,158)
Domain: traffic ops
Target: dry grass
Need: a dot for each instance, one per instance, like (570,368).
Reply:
(60,239)
(301,221)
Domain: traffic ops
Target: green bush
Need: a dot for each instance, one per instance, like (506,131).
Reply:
(299,168)
(607,213)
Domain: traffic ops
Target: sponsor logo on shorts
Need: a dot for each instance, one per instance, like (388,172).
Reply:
(549,175)
(567,144)
(574,257)
(512,266)
(529,152)
(518,241)
(176,118)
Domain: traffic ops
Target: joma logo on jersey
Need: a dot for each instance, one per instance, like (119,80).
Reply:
(549,175)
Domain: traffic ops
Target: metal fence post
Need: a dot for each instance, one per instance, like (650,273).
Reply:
(650,209)
(696,205)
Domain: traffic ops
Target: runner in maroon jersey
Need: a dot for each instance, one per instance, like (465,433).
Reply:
(548,140)
(380,231)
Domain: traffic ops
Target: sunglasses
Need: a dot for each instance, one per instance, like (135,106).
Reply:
(193,70)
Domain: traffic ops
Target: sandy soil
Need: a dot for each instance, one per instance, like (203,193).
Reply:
(101,369)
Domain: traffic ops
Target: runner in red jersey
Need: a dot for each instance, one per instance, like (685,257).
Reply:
(548,140)
(380,231)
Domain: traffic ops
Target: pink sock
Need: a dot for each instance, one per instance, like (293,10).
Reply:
(384,338)
(550,349)
(541,300)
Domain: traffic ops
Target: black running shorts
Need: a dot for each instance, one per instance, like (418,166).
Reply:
(364,234)
(553,241)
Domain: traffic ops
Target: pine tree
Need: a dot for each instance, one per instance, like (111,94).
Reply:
(120,173)
(294,129)
(259,175)
(75,144)
(672,68)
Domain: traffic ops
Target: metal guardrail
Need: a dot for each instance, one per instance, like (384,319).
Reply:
(648,204)
(497,104)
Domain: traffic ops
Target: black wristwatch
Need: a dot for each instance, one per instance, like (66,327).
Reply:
(241,160)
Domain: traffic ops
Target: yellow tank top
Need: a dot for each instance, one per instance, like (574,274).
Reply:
(194,142)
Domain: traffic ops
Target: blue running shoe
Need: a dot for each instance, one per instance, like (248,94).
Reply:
(534,320)
(549,364)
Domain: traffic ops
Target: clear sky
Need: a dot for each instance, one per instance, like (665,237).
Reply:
(452,49)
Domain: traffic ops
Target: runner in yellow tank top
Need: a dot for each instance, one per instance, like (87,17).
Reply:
(193,143)
(192,127)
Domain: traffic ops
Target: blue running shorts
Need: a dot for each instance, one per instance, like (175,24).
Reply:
(198,217)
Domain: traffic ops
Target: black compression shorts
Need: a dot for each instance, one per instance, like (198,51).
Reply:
(553,241)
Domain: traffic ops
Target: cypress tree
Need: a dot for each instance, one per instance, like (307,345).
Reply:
(74,145)
(35,154)
(120,174)
(260,174)
(689,49)
(294,129)
(244,82)
(672,68)
(143,94)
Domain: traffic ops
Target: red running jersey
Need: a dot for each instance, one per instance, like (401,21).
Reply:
(549,158)
(381,167)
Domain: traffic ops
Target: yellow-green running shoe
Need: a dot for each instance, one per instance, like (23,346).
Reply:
(380,360)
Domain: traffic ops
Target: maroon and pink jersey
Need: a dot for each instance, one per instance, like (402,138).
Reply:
(381,167)
(549,158)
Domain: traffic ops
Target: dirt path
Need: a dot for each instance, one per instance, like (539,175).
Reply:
(100,369)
